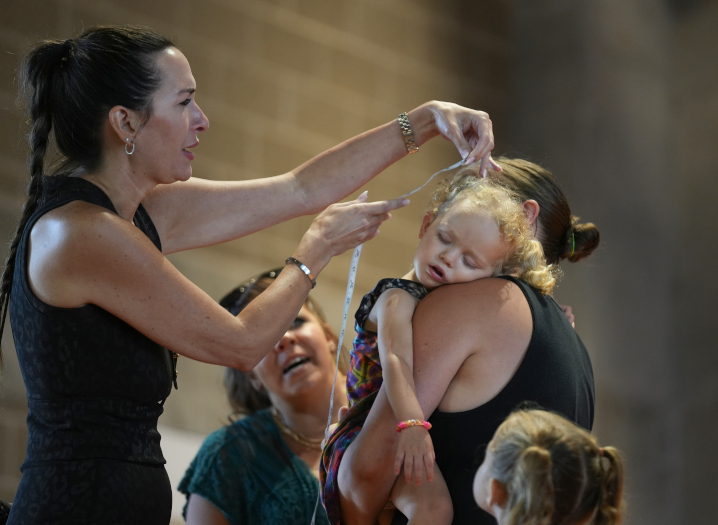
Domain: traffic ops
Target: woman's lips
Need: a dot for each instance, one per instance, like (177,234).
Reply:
(295,364)
(188,153)
(437,274)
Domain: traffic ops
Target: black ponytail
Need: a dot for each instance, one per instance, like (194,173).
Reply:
(67,88)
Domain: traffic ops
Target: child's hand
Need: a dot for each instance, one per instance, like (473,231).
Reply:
(416,452)
(568,312)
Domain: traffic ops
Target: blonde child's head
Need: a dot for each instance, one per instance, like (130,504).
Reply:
(541,469)
(475,228)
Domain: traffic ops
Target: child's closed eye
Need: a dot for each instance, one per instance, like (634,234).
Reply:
(469,265)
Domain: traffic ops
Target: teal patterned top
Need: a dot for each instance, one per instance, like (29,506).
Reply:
(249,473)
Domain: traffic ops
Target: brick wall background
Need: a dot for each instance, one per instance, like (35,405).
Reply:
(618,97)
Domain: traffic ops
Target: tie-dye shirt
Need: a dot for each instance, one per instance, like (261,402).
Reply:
(363,382)
(364,376)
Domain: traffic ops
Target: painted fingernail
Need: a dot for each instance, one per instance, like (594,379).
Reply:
(464,153)
(405,202)
(363,196)
(483,173)
(469,160)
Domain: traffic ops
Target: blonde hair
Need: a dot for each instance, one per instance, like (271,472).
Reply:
(555,473)
(525,257)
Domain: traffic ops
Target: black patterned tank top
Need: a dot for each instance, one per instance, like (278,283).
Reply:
(95,385)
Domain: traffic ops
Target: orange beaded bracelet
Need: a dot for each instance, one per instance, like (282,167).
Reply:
(413,423)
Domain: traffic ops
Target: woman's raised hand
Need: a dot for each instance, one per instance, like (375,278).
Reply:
(568,312)
(471,132)
(341,227)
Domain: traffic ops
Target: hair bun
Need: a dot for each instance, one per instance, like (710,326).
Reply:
(583,240)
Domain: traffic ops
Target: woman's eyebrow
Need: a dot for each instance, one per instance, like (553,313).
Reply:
(188,90)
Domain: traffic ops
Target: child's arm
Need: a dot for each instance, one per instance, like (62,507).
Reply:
(392,314)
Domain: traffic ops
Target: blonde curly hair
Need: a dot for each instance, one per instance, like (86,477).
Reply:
(525,258)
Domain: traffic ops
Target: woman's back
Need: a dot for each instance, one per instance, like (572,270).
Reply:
(538,358)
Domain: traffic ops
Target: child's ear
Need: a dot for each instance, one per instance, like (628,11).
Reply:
(426,222)
(531,209)
(499,495)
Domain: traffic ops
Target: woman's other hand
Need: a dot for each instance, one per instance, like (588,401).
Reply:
(341,227)
(416,452)
(342,412)
(470,130)
(568,312)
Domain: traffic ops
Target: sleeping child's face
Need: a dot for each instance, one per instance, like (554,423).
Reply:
(463,244)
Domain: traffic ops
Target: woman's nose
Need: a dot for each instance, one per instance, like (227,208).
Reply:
(201,121)
(286,341)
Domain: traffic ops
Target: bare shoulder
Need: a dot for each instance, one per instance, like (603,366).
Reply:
(488,299)
(482,330)
(481,317)
(71,243)
(79,227)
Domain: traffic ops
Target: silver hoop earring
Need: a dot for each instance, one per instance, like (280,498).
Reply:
(130,152)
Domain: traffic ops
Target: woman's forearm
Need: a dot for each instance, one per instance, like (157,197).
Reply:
(201,212)
(337,172)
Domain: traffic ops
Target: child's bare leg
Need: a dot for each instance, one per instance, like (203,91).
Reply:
(429,503)
(366,473)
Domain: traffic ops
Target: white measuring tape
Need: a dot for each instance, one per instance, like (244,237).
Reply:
(347,301)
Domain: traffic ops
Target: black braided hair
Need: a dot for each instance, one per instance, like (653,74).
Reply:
(67,88)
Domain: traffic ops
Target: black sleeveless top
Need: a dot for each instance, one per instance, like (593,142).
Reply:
(95,385)
(555,374)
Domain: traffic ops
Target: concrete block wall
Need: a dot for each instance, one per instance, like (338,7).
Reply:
(693,177)
(620,99)
(280,81)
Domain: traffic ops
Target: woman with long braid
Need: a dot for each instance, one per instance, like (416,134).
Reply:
(94,304)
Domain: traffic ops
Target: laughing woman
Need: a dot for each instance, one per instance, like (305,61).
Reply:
(262,469)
